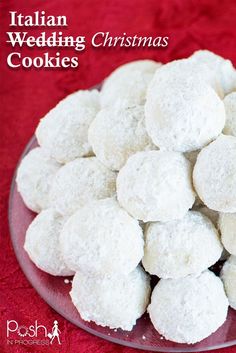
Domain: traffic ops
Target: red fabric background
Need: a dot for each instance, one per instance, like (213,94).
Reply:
(26,95)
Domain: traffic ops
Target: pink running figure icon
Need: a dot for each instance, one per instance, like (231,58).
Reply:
(55,333)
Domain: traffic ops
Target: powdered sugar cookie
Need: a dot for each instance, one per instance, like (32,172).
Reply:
(101,238)
(118,132)
(34,178)
(178,248)
(42,243)
(79,182)
(128,83)
(156,186)
(182,113)
(116,301)
(222,68)
(179,70)
(214,174)
(188,309)
(64,130)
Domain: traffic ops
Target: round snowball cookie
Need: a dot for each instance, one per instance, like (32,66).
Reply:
(101,238)
(64,130)
(79,182)
(214,174)
(34,178)
(116,301)
(223,69)
(156,186)
(179,70)
(128,83)
(178,248)
(228,276)
(230,109)
(118,132)
(227,225)
(188,309)
(182,114)
(42,243)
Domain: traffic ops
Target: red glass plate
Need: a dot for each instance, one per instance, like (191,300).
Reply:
(56,293)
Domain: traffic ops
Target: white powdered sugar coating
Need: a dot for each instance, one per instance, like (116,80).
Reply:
(230,110)
(130,174)
(227,225)
(228,276)
(214,174)
(118,132)
(156,186)
(79,182)
(188,309)
(116,301)
(102,238)
(178,70)
(64,130)
(34,178)
(178,248)
(128,83)
(222,69)
(182,113)
(42,243)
